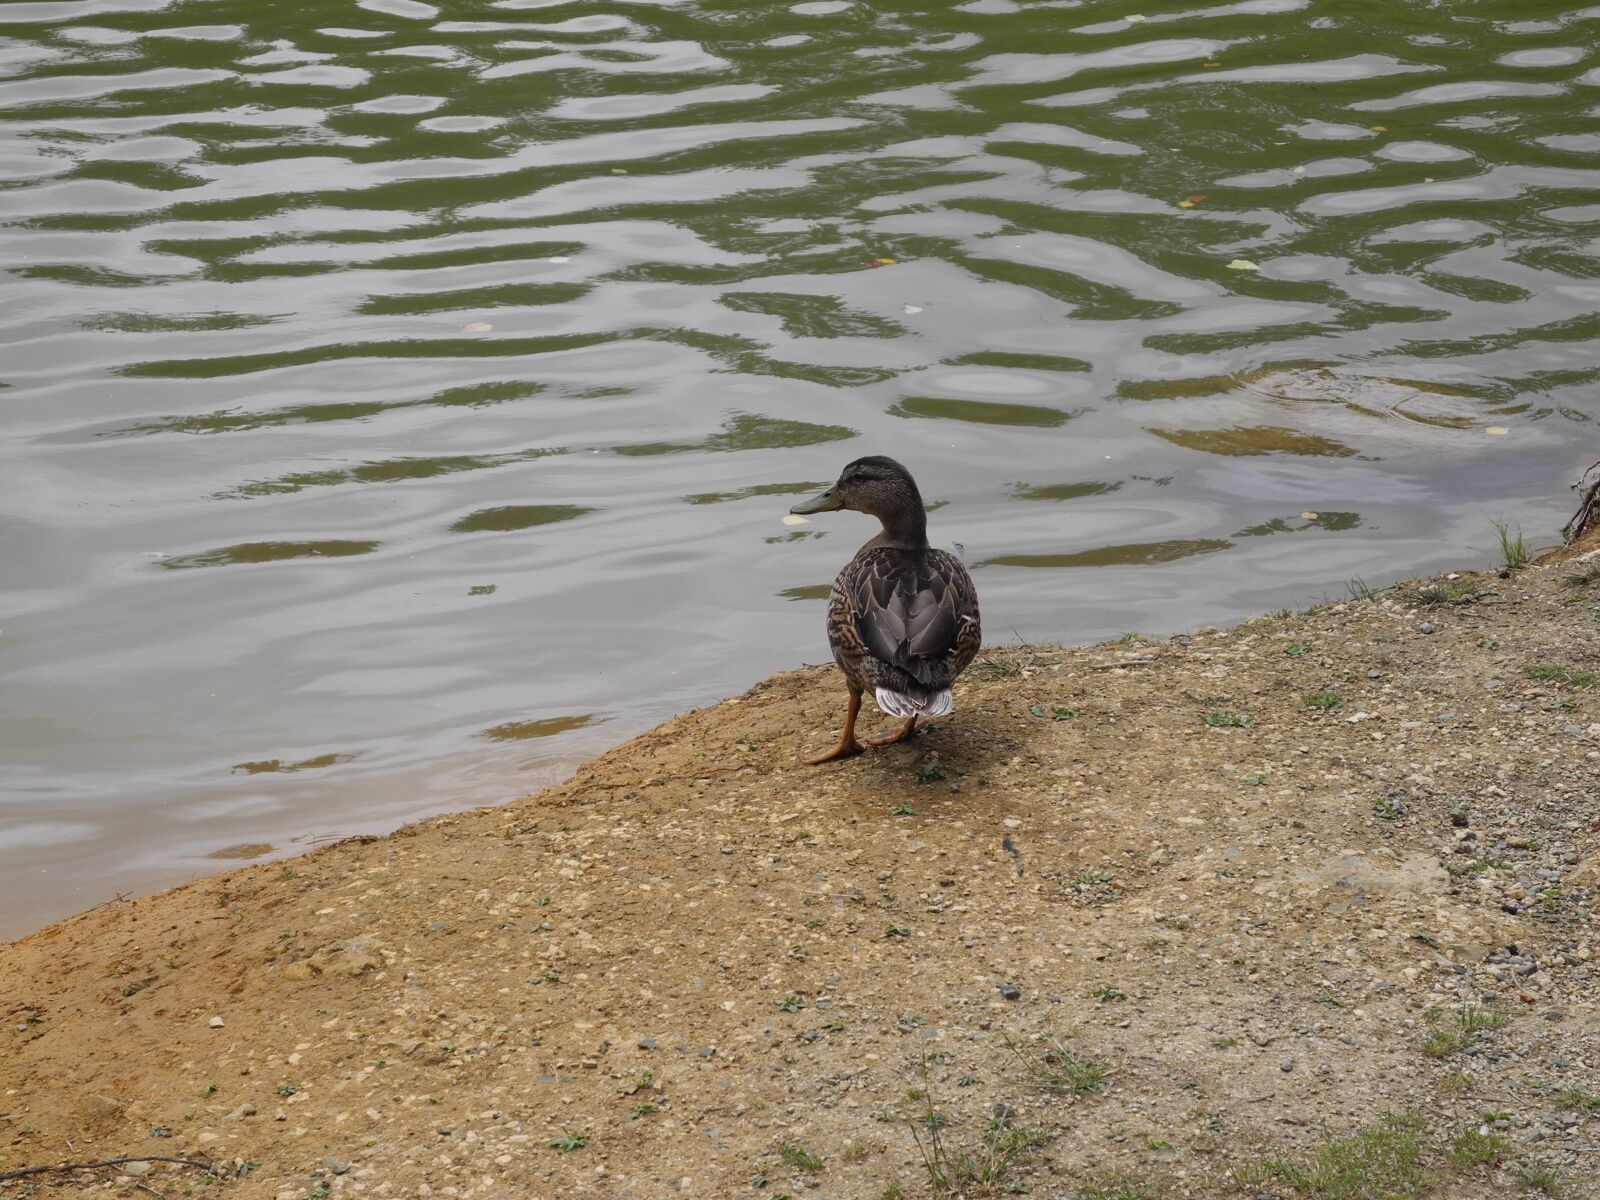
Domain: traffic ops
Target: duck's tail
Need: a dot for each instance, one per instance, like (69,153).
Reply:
(908,704)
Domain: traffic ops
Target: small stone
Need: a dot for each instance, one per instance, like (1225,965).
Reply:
(1444,718)
(1460,818)
(1374,674)
(1010,991)
(1555,1014)
(215,1022)
(336,1165)
(1261,1039)
(136,1169)
(1286,1065)
(708,1051)
(1427,627)
(243,1111)
(647,1043)
(101,1107)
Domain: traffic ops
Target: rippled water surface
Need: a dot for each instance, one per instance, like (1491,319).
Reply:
(398,401)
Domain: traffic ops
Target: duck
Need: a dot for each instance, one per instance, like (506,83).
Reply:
(902,616)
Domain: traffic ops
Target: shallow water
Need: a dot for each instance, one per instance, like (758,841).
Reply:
(400,402)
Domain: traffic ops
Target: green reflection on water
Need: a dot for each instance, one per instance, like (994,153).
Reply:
(982,412)
(517,516)
(1255,439)
(265,552)
(747,432)
(809,591)
(760,489)
(231,421)
(518,731)
(1062,491)
(1137,554)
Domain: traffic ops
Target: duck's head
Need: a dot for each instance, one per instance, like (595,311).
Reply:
(877,485)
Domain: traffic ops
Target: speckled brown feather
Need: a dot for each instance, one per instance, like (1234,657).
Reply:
(905,620)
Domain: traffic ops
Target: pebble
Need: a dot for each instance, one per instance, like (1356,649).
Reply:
(215,1022)
(1427,627)
(1010,991)
(336,1165)
(136,1169)
(243,1111)
(1460,818)
(1286,1065)
(102,1106)
(647,1043)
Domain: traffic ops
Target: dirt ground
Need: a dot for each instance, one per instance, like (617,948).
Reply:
(1301,906)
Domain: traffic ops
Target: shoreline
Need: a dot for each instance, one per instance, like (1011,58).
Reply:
(1290,854)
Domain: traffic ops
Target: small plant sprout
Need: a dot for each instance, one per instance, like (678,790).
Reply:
(1469,1148)
(1294,649)
(799,1158)
(1322,700)
(570,1141)
(902,810)
(1218,719)
(896,931)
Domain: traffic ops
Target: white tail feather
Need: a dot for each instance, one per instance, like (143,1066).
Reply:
(898,704)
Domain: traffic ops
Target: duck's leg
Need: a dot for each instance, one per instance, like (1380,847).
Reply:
(903,734)
(848,745)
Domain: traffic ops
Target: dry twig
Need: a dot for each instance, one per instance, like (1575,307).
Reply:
(106,1162)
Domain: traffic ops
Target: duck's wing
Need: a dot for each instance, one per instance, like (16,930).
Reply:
(913,611)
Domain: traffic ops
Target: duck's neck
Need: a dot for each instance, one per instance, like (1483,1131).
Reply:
(905,529)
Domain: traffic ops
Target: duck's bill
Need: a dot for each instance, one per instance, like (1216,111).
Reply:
(827,502)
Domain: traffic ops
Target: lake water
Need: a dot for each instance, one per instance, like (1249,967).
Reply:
(399,402)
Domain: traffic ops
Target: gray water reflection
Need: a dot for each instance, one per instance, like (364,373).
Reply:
(468,355)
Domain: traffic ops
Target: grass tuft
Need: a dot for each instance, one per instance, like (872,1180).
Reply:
(799,1158)
(1513,550)
(1383,1160)
(1058,1070)
(1555,673)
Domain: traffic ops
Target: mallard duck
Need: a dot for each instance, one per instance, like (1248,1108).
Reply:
(902,616)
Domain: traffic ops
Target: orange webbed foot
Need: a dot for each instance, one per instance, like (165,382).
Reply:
(905,733)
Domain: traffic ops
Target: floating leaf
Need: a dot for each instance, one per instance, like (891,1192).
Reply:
(476,327)
(559,258)
(1497,431)
(1309,516)
(619,170)
(1242,264)
(795,519)
(1211,64)
(1191,201)
(1378,128)
(880,262)
(1133,18)
(912,308)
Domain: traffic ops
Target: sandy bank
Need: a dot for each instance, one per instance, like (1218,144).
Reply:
(1263,877)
